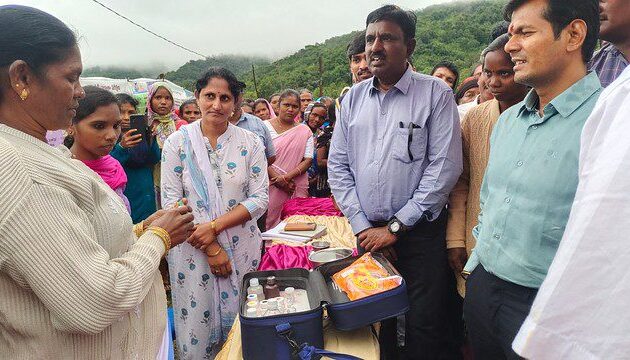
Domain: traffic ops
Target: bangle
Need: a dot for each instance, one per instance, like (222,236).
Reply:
(213,226)
(162,234)
(138,229)
(215,254)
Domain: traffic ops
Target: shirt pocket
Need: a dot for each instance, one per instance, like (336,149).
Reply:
(409,145)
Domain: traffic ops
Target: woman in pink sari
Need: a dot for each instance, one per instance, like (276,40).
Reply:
(294,154)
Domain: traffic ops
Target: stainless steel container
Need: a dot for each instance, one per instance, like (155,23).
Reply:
(320,257)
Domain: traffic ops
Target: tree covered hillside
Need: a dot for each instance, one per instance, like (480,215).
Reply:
(186,75)
(457,32)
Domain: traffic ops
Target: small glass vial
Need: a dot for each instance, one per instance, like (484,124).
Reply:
(273,307)
(263,309)
(252,312)
(271,288)
(282,305)
(289,295)
(252,304)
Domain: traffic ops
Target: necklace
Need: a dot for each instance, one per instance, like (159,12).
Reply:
(280,126)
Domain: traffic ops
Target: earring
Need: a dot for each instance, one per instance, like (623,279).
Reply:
(24,94)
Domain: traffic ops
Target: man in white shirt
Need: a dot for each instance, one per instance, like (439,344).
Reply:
(581,309)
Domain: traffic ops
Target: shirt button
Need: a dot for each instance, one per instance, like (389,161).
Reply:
(383,112)
(507,200)
(497,236)
(535,127)
(519,163)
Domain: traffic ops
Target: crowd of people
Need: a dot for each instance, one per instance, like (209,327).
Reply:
(500,198)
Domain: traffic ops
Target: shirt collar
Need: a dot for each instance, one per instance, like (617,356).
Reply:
(242,118)
(568,101)
(402,85)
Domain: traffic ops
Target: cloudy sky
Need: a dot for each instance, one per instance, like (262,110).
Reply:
(272,28)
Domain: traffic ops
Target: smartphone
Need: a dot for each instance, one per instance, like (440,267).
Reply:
(138,122)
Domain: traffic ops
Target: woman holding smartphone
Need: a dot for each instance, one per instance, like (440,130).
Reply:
(138,153)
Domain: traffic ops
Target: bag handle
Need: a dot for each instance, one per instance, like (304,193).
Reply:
(305,351)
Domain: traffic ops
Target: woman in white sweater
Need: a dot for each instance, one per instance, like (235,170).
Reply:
(76,282)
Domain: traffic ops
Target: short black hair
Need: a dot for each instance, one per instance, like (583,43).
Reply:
(33,36)
(561,13)
(405,19)
(236,87)
(449,65)
(273,95)
(499,29)
(186,103)
(357,45)
(126,99)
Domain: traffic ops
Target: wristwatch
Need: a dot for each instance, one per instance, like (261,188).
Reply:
(396,226)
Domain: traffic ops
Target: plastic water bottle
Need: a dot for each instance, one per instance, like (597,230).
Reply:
(256,288)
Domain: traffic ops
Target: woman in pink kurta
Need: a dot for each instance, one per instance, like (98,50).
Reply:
(294,154)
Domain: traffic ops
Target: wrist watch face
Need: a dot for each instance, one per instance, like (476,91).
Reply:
(394,227)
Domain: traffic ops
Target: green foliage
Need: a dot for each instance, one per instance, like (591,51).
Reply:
(456,31)
(186,75)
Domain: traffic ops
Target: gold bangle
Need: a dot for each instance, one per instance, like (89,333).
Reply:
(215,254)
(213,226)
(162,234)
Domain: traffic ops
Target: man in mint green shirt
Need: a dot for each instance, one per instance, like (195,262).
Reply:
(532,172)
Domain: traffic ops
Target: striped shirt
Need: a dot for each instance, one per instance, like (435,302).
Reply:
(608,63)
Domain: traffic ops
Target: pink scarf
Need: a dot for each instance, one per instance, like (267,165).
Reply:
(290,147)
(110,170)
(272,114)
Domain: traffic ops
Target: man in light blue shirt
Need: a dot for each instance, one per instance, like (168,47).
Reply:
(532,172)
(255,125)
(395,155)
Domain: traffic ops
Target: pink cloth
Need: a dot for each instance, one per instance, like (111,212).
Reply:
(280,257)
(290,147)
(272,114)
(310,206)
(110,170)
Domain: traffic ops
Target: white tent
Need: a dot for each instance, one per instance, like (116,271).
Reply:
(136,87)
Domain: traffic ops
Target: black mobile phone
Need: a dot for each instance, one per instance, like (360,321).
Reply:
(138,122)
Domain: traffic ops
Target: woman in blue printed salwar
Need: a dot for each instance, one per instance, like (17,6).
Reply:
(221,169)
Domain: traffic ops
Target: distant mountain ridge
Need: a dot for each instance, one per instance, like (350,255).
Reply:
(456,31)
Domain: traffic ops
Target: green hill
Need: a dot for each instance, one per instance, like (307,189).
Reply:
(457,32)
(186,75)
